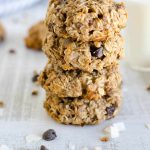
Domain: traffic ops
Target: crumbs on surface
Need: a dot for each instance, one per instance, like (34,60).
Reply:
(12,51)
(1,104)
(104,139)
(43,147)
(148,88)
(35,92)
(35,76)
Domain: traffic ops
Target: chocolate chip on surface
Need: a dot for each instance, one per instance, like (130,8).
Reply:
(12,51)
(35,77)
(96,52)
(148,88)
(49,135)
(43,148)
(110,110)
(35,92)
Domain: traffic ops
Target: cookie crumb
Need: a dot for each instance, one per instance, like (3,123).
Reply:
(148,88)
(147,125)
(49,135)
(104,139)
(2,33)
(1,104)
(43,147)
(35,76)
(97,148)
(71,146)
(35,92)
(12,51)
(35,36)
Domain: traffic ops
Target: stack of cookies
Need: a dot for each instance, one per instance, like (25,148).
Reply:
(83,44)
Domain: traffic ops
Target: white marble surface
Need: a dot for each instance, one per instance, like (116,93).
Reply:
(24,114)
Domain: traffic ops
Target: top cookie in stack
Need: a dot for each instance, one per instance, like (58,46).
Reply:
(83,44)
(84,34)
(86,20)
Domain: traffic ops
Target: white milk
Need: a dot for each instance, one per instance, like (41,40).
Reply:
(138,34)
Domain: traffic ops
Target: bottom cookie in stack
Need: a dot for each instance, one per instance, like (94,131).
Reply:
(79,111)
(81,98)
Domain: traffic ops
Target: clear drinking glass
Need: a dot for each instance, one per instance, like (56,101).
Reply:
(138,34)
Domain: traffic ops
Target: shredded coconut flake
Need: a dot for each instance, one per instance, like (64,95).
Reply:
(84,148)
(97,148)
(32,138)
(1,112)
(4,147)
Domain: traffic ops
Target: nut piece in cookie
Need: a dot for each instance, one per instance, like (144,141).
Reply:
(81,111)
(35,36)
(2,33)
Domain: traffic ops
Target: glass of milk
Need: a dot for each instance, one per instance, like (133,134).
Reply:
(138,34)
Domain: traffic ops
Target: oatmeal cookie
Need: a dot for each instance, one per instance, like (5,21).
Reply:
(86,20)
(35,36)
(86,56)
(2,33)
(77,83)
(80,111)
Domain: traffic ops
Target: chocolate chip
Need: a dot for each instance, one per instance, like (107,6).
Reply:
(35,92)
(43,147)
(95,72)
(90,22)
(96,52)
(35,77)
(110,110)
(1,39)
(64,17)
(100,16)
(91,32)
(49,135)
(12,51)
(148,88)
(58,9)
(91,10)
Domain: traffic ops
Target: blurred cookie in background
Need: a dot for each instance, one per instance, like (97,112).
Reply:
(2,33)
(35,36)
